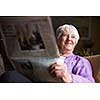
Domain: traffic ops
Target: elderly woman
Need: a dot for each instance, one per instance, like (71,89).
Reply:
(74,69)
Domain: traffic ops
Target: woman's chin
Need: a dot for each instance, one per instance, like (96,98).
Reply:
(67,51)
(68,48)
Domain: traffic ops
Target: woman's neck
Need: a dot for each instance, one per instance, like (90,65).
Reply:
(66,54)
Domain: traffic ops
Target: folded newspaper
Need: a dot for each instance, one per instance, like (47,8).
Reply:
(31,39)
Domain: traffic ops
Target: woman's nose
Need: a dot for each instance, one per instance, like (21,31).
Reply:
(68,37)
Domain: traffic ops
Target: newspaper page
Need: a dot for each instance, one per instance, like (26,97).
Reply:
(31,39)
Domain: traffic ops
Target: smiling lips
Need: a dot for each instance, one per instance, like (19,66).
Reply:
(68,42)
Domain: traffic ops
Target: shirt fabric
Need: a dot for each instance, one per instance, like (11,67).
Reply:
(80,69)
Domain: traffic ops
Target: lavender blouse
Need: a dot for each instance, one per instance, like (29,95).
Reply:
(80,69)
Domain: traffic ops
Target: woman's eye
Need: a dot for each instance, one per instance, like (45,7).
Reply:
(73,36)
(64,35)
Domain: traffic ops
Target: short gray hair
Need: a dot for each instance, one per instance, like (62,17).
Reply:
(61,29)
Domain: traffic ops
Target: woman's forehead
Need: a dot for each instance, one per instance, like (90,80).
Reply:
(68,32)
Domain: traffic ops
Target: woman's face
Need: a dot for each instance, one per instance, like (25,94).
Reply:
(67,42)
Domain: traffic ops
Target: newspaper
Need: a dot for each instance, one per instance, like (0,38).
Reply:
(31,39)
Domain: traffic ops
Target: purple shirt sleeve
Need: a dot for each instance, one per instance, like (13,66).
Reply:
(80,69)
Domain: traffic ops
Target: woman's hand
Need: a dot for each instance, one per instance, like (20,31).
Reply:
(59,70)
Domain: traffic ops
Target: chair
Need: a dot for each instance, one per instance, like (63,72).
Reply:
(95,62)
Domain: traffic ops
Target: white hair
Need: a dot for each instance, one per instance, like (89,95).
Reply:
(70,28)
